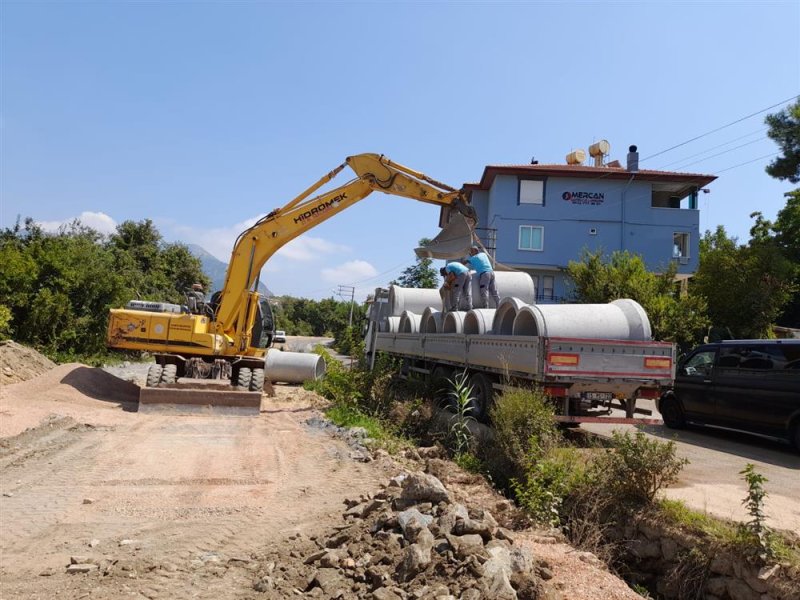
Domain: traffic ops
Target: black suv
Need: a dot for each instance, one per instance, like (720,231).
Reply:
(747,385)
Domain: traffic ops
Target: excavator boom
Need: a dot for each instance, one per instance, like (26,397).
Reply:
(227,340)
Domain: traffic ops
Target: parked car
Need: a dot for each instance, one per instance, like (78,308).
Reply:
(746,385)
(280,336)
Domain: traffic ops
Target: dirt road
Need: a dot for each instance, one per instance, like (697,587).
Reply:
(167,498)
(159,506)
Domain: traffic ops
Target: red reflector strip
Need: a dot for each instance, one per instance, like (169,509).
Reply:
(649,393)
(565,360)
(657,362)
(555,392)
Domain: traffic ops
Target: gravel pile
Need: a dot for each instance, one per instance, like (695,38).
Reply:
(408,541)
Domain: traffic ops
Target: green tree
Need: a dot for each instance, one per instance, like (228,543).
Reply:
(747,286)
(784,129)
(421,274)
(676,318)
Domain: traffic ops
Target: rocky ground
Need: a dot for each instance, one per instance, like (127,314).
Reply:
(99,501)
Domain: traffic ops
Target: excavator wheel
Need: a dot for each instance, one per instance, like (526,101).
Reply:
(257,382)
(154,375)
(169,374)
(244,378)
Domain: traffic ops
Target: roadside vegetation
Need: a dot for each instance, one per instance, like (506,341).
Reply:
(590,491)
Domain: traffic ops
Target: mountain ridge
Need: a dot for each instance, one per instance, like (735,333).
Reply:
(216,269)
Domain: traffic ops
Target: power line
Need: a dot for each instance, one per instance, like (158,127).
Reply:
(721,153)
(763,110)
(748,162)
(741,137)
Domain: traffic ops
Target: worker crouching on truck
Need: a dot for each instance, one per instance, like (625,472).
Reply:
(480,261)
(456,291)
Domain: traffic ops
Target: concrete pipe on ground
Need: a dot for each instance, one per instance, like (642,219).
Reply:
(414,300)
(503,323)
(431,320)
(453,322)
(409,322)
(293,367)
(514,284)
(619,320)
(478,321)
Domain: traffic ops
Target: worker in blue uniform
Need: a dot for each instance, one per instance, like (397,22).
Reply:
(482,265)
(456,291)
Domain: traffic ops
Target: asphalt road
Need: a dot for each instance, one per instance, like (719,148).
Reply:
(711,481)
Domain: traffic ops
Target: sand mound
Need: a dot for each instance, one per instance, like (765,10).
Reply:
(20,363)
(77,384)
(84,393)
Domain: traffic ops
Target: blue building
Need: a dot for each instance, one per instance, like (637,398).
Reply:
(537,218)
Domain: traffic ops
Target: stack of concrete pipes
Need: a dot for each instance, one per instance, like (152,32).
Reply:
(417,311)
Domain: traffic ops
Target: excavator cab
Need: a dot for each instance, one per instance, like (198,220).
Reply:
(264,326)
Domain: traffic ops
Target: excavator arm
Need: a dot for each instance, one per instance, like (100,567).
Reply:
(255,246)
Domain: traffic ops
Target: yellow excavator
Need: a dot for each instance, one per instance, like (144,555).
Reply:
(212,354)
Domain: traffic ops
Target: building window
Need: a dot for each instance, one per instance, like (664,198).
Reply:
(548,282)
(531,191)
(531,237)
(680,245)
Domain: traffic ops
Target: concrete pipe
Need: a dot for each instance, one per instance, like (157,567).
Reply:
(409,322)
(591,321)
(411,299)
(431,320)
(453,322)
(293,367)
(389,325)
(478,321)
(503,323)
(514,284)
(637,319)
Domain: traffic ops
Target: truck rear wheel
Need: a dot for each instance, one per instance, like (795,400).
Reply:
(244,377)
(441,383)
(154,375)
(482,394)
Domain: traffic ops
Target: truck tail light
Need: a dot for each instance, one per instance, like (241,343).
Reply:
(562,359)
(657,362)
(651,393)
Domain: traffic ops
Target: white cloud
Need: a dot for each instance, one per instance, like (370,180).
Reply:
(350,272)
(307,248)
(96,220)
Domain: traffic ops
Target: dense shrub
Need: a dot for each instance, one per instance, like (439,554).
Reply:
(524,427)
(548,480)
(636,468)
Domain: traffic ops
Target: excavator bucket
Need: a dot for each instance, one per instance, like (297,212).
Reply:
(453,241)
(201,396)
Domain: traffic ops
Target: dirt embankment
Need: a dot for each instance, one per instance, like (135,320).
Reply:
(20,363)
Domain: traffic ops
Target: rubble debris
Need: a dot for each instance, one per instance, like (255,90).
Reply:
(409,541)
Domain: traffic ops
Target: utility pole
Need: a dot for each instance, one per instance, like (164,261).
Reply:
(350,290)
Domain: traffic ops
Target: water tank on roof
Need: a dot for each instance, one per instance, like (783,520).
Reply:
(576,157)
(600,148)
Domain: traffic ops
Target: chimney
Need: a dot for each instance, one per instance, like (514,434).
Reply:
(633,159)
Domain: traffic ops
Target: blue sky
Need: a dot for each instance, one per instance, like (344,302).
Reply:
(204,116)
